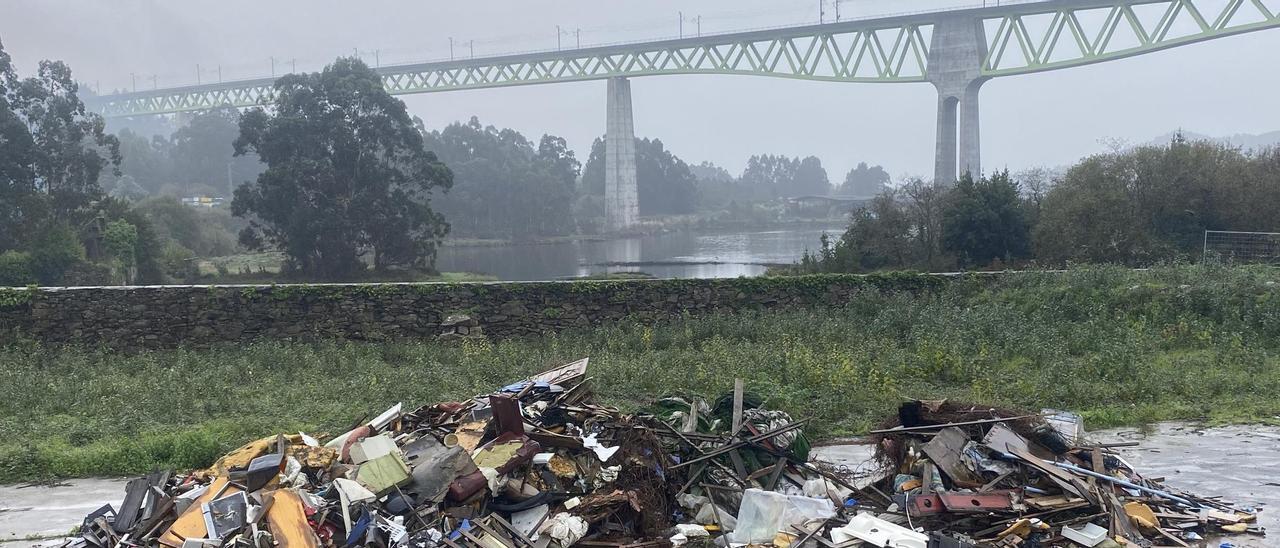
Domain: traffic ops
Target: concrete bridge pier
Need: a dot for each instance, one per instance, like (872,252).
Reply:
(621,204)
(955,69)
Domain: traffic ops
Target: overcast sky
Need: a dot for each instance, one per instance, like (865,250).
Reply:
(1221,87)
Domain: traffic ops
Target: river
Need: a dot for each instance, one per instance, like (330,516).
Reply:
(671,255)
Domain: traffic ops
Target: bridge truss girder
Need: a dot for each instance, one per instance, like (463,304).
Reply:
(1085,32)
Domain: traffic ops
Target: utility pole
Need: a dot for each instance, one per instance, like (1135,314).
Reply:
(822,11)
(450,48)
(698,20)
(472,43)
(558,33)
(681,23)
(293,65)
(154,82)
(219,74)
(837,10)
(273,67)
(134,78)
(577,35)
(197,74)
(377,58)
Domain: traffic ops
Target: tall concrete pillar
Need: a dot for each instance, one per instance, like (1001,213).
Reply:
(955,69)
(621,204)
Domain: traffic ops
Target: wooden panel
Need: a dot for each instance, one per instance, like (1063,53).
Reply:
(191,523)
(287,521)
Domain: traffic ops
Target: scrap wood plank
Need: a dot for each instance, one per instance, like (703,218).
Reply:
(1000,437)
(287,521)
(135,493)
(1098,465)
(191,523)
(946,450)
(738,389)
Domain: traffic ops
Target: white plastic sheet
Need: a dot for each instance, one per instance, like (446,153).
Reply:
(763,514)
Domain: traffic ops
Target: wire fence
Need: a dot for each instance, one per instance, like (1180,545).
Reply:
(1230,247)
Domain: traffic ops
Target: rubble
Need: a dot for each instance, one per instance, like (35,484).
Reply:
(539,464)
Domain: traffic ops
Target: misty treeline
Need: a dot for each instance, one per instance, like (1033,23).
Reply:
(1131,207)
(57,223)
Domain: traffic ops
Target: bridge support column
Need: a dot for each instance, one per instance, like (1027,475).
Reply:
(621,204)
(955,69)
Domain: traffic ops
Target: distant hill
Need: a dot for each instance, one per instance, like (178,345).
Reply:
(1242,140)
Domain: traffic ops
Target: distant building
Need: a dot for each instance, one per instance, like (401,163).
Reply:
(203,201)
(815,207)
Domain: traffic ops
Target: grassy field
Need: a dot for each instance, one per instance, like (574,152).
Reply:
(1121,347)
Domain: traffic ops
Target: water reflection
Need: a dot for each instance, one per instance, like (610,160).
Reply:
(673,255)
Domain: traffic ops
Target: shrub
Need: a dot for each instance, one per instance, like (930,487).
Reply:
(55,251)
(15,269)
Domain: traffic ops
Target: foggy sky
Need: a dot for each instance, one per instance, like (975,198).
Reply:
(1220,87)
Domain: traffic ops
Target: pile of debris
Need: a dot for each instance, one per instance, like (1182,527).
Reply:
(975,475)
(538,464)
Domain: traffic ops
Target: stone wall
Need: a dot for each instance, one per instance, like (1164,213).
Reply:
(151,317)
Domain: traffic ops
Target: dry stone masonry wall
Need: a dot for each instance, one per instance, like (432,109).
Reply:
(154,317)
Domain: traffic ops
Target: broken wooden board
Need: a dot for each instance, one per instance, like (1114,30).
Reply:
(191,523)
(946,450)
(1000,437)
(287,521)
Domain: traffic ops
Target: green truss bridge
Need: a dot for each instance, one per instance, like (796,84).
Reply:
(957,51)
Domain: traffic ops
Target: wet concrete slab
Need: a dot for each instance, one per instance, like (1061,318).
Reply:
(28,511)
(1240,463)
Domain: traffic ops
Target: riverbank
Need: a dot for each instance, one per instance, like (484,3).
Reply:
(1120,346)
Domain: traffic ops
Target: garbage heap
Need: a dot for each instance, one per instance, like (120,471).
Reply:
(534,464)
(976,475)
(538,464)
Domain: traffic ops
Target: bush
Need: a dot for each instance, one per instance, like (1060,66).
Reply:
(91,274)
(15,269)
(178,262)
(55,251)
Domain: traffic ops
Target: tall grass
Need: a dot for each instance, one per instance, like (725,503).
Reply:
(1120,346)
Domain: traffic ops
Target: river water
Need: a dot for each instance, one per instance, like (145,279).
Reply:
(670,255)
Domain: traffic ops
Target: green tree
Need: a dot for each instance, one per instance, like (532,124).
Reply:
(72,147)
(779,176)
(54,251)
(204,147)
(51,152)
(1154,203)
(346,175)
(21,204)
(120,240)
(810,179)
(15,269)
(864,180)
(770,176)
(504,187)
(983,221)
(665,185)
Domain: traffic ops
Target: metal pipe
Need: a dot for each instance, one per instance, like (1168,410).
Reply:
(1124,483)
